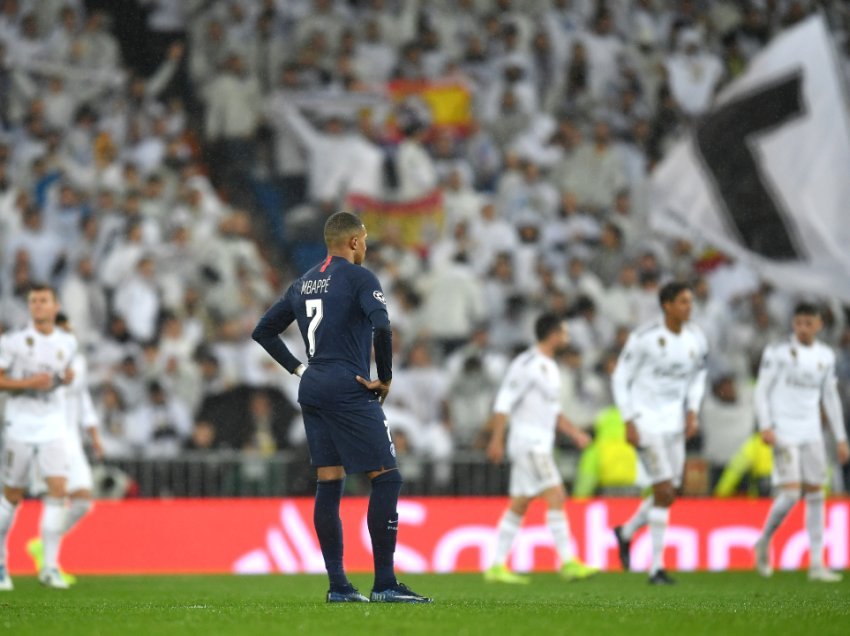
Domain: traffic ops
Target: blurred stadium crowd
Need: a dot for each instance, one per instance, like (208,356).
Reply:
(168,166)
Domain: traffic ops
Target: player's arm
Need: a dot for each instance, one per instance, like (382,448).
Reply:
(566,426)
(628,365)
(37,382)
(267,335)
(695,394)
(769,371)
(834,413)
(514,386)
(374,305)
(89,422)
(496,426)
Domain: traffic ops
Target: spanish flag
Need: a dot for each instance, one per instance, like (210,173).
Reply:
(418,221)
(450,101)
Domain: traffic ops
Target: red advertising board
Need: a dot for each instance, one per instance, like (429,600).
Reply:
(253,536)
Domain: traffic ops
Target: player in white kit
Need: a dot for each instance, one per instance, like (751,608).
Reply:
(658,385)
(796,379)
(529,400)
(34,369)
(82,418)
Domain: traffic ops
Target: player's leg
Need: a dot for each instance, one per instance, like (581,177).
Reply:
(662,458)
(506,532)
(80,503)
(557,521)
(663,495)
(52,530)
(787,478)
(52,458)
(814,473)
(326,521)
(80,486)
(625,532)
(366,446)
(16,462)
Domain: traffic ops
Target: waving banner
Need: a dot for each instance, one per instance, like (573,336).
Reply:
(764,175)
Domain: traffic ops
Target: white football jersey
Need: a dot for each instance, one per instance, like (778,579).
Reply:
(530,397)
(792,383)
(36,416)
(660,375)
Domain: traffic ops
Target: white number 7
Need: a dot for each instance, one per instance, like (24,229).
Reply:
(314,309)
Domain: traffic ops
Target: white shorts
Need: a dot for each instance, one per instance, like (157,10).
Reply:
(51,458)
(663,457)
(79,469)
(799,463)
(532,473)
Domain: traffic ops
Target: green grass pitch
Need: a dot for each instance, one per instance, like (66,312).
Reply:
(721,603)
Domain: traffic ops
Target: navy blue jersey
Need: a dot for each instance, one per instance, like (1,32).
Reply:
(336,305)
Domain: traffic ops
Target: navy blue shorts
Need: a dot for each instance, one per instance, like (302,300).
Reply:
(357,440)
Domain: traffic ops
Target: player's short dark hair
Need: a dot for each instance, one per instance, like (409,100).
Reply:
(807,309)
(671,291)
(41,287)
(546,325)
(341,226)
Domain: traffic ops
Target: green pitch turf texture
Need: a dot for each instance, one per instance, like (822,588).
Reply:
(721,603)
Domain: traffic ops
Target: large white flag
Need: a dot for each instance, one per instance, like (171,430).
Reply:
(765,176)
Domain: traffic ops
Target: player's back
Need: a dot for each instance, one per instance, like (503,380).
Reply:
(332,303)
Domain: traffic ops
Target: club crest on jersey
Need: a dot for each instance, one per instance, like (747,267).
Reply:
(662,342)
(30,341)
(379,296)
(794,354)
(60,354)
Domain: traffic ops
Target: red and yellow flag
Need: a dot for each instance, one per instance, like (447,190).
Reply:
(418,222)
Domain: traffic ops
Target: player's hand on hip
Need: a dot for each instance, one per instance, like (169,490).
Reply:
(381,389)
(691,425)
(68,376)
(632,435)
(843,453)
(768,437)
(41,382)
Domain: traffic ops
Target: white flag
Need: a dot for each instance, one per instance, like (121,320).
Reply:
(765,176)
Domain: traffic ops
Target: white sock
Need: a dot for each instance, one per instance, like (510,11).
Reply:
(7,516)
(52,525)
(639,518)
(658,519)
(78,509)
(782,504)
(559,526)
(814,524)
(508,528)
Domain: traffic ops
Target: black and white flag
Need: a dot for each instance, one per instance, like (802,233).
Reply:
(765,176)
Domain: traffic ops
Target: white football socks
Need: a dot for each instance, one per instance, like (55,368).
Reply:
(78,509)
(782,504)
(658,520)
(814,525)
(639,519)
(508,528)
(559,526)
(52,527)
(7,516)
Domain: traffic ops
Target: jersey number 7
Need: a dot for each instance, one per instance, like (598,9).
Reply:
(315,311)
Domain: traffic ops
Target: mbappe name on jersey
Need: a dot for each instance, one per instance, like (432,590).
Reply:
(319,286)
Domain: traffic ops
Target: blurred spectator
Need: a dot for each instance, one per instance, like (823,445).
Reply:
(160,425)
(728,420)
